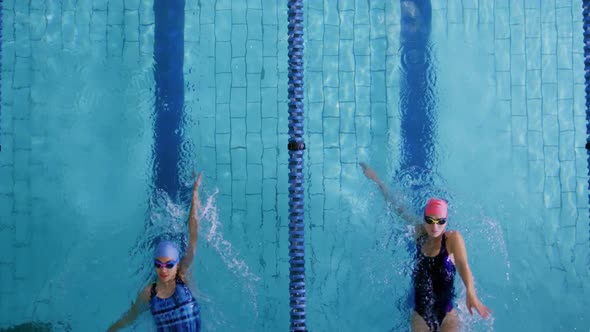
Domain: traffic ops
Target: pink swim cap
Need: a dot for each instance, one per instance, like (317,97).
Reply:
(436,206)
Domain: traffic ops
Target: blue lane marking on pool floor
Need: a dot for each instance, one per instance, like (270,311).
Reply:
(169,82)
(417,103)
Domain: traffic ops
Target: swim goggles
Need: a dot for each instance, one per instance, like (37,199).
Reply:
(168,265)
(430,220)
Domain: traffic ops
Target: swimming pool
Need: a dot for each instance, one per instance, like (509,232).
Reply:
(506,101)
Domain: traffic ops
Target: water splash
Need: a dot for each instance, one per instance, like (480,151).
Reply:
(168,221)
(469,322)
(224,248)
(394,236)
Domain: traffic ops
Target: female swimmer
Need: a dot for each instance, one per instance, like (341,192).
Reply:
(169,299)
(439,254)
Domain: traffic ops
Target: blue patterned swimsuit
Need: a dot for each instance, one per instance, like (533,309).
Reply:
(180,312)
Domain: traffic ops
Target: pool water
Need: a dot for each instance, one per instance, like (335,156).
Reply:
(504,90)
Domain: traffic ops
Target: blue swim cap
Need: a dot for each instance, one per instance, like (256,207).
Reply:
(167,249)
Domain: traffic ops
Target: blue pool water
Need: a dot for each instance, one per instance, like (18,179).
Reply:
(504,142)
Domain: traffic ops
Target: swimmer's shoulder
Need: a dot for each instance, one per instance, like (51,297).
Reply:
(453,235)
(455,240)
(146,293)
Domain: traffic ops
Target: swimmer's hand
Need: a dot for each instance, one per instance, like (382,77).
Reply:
(197,184)
(473,302)
(370,173)
(198,179)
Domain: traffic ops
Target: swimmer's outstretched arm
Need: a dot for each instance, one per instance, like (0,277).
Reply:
(400,209)
(193,228)
(131,315)
(457,247)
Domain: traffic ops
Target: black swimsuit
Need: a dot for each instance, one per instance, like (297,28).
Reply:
(433,284)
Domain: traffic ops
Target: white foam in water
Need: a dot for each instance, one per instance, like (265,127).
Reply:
(223,247)
(496,238)
(212,228)
(472,323)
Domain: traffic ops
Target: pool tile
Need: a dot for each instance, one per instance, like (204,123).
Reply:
(362,75)
(238,134)
(519,130)
(115,39)
(533,23)
(238,40)
(580,131)
(579,100)
(332,202)
(238,101)
(549,93)
(348,149)
(567,173)
(331,106)
(567,240)
(549,68)
(255,150)
(378,87)
(363,132)
(536,176)
(253,87)
(551,154)
(132,24)
(222,57)
(566,146)
(270,41)
(564,53)
(254,183)
(316,180)
(582,190)
(34,4)
(565,84)
(223,87)
(207,41)
(22,74)
(564,20)
(7,185)
(581,162)
(518,80)
(238,195)
(502,26)
(378,54)
(331,132)
(533,86)
(146,41)
(7,238)
(534,110)
(582,235)
(253,118)
(330,77)
(378,119)
(98,26)
(268,196)
(37,31)
(503,85)
(565,116)
(222,115)
(207,131)
(361,40)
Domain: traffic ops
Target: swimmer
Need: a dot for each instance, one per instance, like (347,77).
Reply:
(169,299)
(439,254)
